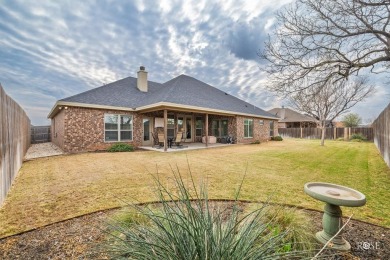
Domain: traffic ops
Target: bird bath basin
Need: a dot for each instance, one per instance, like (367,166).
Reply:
(334,196)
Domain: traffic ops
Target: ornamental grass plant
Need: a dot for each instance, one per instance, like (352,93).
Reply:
(186,225)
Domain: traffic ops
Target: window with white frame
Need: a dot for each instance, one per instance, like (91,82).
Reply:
(248,128)
(118,128)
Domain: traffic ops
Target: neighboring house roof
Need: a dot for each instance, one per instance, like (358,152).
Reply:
(182,91)
(338,124)
(289,115)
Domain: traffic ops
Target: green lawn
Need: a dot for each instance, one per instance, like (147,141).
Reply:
(48,190)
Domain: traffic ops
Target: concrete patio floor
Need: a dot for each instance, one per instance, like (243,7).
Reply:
(186,147)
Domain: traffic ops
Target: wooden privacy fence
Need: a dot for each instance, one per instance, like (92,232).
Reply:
(40,134)
(14,140)
(330,133)
(381,128)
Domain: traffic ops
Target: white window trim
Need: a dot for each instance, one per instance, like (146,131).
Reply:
(248,137)
(119,130)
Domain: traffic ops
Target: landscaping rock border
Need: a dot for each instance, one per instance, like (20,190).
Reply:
(78,238)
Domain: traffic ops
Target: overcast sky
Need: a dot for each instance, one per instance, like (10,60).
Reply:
(50,50)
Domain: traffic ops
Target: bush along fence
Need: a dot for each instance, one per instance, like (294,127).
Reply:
(40,134)
(14,141)
(381,128)
(330,133)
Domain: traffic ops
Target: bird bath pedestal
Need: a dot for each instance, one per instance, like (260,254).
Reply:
(334,196)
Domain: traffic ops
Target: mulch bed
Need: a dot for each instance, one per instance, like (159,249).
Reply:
(78,239)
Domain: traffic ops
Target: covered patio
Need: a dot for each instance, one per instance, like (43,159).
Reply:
(195,128)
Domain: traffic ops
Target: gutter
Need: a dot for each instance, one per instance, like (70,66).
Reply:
(59,104)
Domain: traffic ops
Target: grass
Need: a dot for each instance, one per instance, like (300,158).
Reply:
(48,190)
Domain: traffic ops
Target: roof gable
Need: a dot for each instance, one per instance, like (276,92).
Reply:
(291,115)
(186,90)
(182,90)
(121,93)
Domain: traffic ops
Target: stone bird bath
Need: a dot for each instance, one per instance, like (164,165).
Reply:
(334,196)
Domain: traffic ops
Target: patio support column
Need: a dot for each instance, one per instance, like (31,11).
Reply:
(165,129)
(207,130)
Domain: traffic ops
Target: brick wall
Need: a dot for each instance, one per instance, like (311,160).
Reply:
(77,129)
(58,129)
(276,133)
(83,129)
(232,126)
(261,132)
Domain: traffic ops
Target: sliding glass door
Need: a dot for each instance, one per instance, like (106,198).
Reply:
(147,131)
(185,125)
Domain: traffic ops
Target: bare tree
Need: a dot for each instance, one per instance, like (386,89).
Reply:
(318,40)
(328,101)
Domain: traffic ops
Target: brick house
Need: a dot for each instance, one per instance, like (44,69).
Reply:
(289,118)
(131,110)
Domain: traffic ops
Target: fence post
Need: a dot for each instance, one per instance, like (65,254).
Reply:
(335,133)
(301,133)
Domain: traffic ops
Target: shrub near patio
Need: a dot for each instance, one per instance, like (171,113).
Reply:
(121,147)
(52,189)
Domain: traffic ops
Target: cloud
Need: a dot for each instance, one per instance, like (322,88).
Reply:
(246,38)
(53,49)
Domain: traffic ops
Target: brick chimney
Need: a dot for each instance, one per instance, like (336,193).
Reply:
(142,79)
(282,113)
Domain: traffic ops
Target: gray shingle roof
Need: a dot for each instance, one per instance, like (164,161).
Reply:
(291,116)
(182,90)
(121,93)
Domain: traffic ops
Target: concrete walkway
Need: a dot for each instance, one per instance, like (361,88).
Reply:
(42,150)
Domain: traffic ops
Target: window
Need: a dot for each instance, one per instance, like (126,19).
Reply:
(219,127)
(224,128)
(261,122)
(215,128)
(171,126)
(198,126)
(118,128)
(248,128)
(271,128)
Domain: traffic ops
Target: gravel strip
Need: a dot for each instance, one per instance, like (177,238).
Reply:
(72,239)
(79,238)
(42,150)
